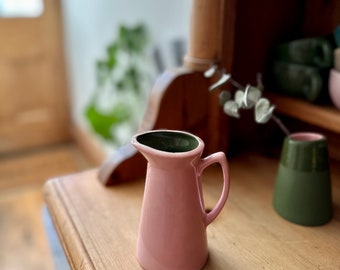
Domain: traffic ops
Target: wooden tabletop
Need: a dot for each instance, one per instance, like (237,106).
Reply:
(98,225)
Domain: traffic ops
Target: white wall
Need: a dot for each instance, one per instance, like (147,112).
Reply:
(89,25)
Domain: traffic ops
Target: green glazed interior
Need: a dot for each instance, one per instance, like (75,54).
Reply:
(169,141)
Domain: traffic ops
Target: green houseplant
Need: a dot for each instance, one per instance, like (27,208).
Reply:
(121,83)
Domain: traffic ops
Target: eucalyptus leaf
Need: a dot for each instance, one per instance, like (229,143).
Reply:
(224,96)
(224,78)
(263,111)
(251,96)
(239,97)
(210,72)
(231,108)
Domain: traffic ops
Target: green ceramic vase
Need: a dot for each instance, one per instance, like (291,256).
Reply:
(302,191)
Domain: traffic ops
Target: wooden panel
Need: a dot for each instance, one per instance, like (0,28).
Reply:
(321,17)
(33,94)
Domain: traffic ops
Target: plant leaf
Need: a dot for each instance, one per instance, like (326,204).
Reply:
(102,123)
(251,96)
(224,78)
(263,111)
(224,96)
(211,71)
(133,39)
(102,72)
(231,108)
(112,56)
(239,97)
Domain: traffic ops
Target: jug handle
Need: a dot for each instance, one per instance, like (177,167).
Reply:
(220,158)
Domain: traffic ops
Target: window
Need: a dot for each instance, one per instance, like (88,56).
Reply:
(21,8)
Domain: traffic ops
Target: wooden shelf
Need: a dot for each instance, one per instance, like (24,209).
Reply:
(322,116)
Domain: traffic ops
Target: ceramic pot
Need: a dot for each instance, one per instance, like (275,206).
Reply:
(305,82)
(316,52)
(303,186)
(337,59)
(334,87)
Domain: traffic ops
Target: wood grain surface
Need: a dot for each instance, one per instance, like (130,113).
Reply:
(98,225)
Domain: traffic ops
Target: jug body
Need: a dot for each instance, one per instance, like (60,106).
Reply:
(172,229)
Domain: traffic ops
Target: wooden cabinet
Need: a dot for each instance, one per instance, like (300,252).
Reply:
(260,25)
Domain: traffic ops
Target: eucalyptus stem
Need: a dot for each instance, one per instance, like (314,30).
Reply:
(236,84)
(281,125)
(260,85)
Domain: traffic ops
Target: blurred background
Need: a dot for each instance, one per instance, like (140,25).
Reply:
(74,78)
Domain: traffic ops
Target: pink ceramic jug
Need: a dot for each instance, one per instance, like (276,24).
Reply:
(172,229)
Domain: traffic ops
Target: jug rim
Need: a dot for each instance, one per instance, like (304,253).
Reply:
(194,151)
